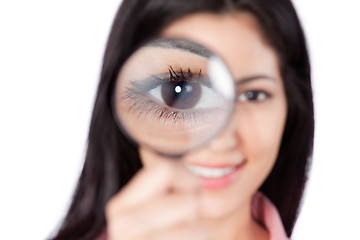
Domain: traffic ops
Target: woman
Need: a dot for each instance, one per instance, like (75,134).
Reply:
(270,136)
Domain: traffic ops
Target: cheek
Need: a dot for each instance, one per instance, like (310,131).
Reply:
(261,133)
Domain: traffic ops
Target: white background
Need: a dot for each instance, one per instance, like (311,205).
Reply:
(50,58)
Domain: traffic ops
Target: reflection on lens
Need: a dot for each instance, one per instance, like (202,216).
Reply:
(166,99)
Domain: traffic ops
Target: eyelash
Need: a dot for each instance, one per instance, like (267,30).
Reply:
(143,106)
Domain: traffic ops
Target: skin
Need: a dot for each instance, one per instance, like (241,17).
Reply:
(164,200)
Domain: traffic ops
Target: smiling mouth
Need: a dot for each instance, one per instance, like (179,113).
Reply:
(210,172)
(215,177)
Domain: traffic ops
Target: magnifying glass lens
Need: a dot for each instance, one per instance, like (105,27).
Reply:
(173,95)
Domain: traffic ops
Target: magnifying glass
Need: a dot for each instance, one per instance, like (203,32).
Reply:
(173,96)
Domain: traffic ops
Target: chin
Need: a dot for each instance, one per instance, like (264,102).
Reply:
(215,206)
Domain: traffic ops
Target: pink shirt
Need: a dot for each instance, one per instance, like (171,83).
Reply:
(263,211)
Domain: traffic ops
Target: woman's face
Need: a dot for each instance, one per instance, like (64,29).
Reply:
(232,167)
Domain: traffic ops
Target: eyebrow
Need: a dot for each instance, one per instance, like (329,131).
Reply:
(253,78)
(182,44)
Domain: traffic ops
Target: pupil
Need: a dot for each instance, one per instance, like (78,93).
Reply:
(181,95)
(251,95)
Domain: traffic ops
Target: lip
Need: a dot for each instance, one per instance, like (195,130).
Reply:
(221,182)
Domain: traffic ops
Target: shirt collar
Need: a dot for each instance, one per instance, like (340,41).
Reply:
(265,212)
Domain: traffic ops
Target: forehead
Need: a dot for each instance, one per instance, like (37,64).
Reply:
(236,37)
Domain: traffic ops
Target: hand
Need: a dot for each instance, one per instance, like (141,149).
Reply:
(160,202)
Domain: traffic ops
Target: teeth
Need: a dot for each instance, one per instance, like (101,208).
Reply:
(209,172)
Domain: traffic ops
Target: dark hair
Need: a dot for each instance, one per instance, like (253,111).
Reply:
(111,160)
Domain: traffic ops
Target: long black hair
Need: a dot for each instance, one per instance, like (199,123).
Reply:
(111,160)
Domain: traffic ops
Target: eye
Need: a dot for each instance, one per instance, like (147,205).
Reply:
(184,90)
(253,96)
(184,95)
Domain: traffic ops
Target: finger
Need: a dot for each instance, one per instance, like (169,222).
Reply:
(182,179)
(158,214)
(142,187)
(152,182)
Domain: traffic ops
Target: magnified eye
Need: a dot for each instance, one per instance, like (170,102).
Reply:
(184,95)
(181,95)
(184,91)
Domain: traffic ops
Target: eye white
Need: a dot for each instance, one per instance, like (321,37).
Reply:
(208,99)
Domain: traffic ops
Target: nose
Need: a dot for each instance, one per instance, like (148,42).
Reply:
(227,140)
